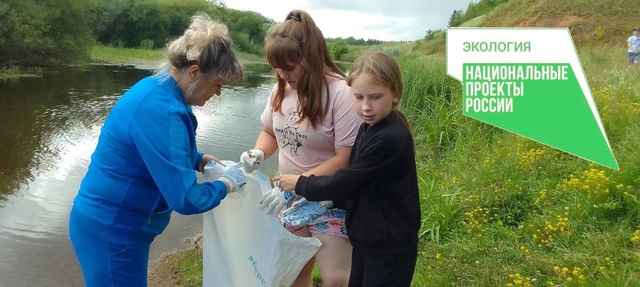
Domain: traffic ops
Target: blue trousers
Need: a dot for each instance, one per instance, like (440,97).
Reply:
(107,263)
(632,57)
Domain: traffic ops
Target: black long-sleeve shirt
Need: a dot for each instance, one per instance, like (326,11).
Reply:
(380,188)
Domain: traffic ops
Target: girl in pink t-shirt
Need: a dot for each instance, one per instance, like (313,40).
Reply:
(310,119)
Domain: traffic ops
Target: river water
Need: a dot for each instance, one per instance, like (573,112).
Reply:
(49,128)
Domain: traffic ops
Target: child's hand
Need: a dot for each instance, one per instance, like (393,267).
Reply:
(274,200)
(287,181)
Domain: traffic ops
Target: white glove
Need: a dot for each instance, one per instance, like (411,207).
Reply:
(274,200)
(233,177)
(251,159)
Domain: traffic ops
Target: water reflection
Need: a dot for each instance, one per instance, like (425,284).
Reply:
(256,76)
(37,113)
(50,128)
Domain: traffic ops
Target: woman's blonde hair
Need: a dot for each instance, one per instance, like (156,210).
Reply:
(295,41)
(204,43)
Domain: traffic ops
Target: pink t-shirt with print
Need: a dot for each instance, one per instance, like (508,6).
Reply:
(302,147)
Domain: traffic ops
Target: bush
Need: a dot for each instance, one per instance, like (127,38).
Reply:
(45,32)
(338,49)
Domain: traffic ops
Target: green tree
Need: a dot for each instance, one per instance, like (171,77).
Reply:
(430,34)
(476,9)
(247,29)
(44,32)
(453,19)
(338,49)
(129,23)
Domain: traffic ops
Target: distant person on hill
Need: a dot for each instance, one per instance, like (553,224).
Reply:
(633,43)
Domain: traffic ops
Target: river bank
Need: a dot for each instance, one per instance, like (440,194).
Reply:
(178,268)
(51,126)
(184,267)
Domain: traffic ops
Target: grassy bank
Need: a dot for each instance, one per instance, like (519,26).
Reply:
(113,55)
(14,72)
(501,210)
(104,54)
(182,268)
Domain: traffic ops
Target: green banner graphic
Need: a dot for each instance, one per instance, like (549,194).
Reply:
(529,92)
(527,100)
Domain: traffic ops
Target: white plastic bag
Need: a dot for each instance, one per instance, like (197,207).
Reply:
(213,170)
(245,247)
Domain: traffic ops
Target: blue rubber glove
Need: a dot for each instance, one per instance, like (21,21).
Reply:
(274,200)
(304,212)
(233,177)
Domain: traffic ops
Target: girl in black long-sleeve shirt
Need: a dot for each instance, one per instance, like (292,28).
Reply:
(380,186)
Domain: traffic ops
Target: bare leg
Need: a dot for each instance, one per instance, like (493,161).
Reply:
(305,278)
(334,260)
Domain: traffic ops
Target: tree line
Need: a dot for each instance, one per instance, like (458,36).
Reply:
(46,32)
(340,46)
(473,10)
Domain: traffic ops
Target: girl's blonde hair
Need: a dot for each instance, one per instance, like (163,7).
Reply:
(384,71)
(204,43)
(295,41)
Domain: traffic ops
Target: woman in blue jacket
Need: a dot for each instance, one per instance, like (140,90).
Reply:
(144,164)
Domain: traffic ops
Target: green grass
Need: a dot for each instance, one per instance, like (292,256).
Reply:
(590,21)
(499,209)
(250,58)
(391,48)
(182,268)
(190,271)
(502,210)
(14,72)
(113,54)
(105,54)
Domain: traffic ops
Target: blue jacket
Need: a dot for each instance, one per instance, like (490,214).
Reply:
(143,167)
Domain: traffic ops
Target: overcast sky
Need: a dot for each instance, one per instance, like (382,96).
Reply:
(387,20)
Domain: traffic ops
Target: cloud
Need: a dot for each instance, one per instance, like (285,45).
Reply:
(394,20)
(390,8)
(342,23)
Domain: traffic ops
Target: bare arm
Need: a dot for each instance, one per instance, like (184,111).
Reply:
(267,142)
(330,166)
